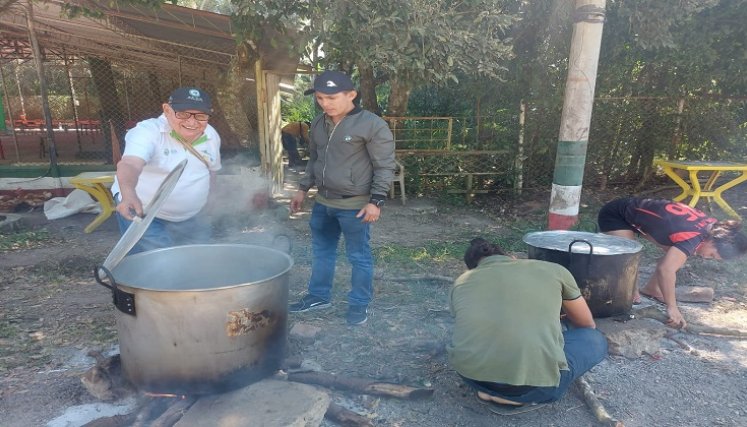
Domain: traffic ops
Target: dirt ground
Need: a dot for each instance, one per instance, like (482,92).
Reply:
(53,313)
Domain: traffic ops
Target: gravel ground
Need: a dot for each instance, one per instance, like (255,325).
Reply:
(52,313)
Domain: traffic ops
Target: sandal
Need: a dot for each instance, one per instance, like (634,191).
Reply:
(501,409)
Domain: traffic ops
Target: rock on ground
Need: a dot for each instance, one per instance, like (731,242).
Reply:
(633,338)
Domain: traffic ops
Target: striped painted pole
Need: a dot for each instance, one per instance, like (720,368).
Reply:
(576,118)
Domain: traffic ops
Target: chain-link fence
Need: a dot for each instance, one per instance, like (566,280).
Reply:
(516,149)
(94,100)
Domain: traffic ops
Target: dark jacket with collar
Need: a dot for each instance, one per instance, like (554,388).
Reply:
(354,158)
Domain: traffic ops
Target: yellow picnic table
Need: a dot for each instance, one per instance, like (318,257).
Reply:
(693,187)
(97,185)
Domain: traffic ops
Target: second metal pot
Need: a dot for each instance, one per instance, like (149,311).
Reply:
(605,267)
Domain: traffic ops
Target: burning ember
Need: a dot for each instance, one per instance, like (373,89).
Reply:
(165,395)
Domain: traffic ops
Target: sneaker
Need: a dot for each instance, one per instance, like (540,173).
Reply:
(357,314)
(308,302)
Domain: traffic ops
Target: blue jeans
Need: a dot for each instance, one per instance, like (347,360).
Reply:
(326,225)
(165,234)
(584,348)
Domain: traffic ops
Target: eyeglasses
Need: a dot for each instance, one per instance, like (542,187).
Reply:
(184,115)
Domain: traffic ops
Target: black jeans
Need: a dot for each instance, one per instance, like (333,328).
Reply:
(290,144)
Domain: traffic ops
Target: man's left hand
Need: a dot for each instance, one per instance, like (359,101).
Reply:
(369,213)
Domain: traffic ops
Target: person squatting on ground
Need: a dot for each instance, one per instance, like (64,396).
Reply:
(351,162)
(681,231)
(153,148)
(291,134)
(508,341)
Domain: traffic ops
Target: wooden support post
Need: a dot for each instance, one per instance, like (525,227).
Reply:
(470,194)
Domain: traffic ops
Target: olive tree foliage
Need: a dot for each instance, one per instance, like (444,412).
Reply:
(673,47)
(410,43)
(678,49)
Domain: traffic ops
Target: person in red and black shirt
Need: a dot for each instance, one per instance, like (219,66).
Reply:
(681,231)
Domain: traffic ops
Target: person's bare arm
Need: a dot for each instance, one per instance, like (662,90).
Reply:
(128,172)
(577,311)
(665,277)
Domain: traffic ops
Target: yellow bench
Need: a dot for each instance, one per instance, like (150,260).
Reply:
(97,185)
(693,187)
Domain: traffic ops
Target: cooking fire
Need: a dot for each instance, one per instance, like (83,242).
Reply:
(165,395)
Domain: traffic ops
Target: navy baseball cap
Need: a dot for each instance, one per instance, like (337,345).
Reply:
(331,82)
(190,98)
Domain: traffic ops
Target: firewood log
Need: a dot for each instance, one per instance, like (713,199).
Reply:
(346,417)
(113,421)
(600,413)
(360,385)
(174,413)
(652,312)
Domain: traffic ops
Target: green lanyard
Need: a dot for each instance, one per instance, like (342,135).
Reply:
(179,138)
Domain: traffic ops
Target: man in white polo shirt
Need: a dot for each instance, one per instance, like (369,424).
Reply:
(153,148)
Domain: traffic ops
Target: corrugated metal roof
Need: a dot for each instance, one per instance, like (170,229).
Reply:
(159,38)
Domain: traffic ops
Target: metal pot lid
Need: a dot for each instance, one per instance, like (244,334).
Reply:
(136,230)
(603,244)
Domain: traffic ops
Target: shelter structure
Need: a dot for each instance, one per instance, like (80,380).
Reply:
(74,81)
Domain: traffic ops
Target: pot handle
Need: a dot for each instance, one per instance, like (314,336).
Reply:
(282,242)
(97,271)
(570,254)
(574,241)
(124,301)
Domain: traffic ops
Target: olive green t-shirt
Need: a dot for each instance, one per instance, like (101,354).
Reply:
(351,203)
(507,321)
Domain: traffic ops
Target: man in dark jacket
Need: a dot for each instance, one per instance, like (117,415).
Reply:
(351,162)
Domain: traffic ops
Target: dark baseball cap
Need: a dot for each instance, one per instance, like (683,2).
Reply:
(190,98)
(331,82)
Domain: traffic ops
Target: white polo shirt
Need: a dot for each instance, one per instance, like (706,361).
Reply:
(151,141)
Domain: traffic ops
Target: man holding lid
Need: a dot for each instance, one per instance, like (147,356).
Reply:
(351,162)
(153,148)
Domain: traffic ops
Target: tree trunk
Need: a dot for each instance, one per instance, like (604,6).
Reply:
(368,89)
(643,155)
(398,98)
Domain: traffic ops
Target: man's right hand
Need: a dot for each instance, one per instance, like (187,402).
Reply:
(296,202)
(130,207)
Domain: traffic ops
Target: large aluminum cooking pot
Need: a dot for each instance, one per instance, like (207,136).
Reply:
(605,267)
(200,319)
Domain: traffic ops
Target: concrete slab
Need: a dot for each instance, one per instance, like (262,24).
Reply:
(83,414)
(268,403)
